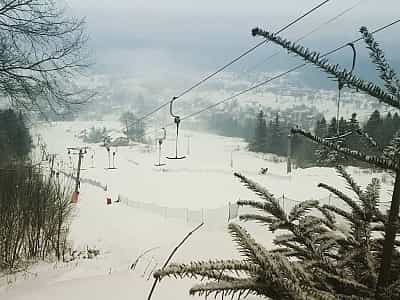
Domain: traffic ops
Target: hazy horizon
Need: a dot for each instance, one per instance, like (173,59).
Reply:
(142,37)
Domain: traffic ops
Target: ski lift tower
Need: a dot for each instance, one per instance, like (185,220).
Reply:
(80,151)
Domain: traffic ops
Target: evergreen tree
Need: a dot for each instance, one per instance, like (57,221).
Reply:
(321,128)
(15,139)
(325,156)
(316,258)
(260,134)
(374,127)
(248,129)
(389,129)
(355,141)
(396,120)
(353,123)
(303,152)
(277,137)
(134,130)
(342,125)
(332,127)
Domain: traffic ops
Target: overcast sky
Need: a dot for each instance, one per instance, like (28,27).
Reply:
(144,36)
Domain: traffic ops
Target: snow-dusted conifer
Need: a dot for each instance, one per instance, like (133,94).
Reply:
(315,258)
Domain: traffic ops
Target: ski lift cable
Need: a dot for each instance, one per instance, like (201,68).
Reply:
(284,73)
(219,70)
(317,28)
(264,82)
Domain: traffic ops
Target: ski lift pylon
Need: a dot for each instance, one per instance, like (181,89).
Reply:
(177,121)
(108,148)
(160,141)
(342,84)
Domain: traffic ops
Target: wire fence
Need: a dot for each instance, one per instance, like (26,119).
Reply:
(86,180)
(210,216)
(215,217)
(224,214)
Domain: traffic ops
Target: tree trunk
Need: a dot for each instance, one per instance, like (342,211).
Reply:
(390,235)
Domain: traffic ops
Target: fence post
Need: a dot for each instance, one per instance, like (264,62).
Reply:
(283,202)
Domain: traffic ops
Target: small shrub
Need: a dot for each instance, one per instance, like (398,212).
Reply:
(34,215)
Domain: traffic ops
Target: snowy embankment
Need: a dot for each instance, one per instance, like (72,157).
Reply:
(202,182)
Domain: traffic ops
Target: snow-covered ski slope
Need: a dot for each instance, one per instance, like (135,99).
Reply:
(203,181)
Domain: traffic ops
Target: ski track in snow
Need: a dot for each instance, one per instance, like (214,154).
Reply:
(204,180)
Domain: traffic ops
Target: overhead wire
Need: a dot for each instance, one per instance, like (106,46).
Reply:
(284,73)
(297,67)
(319,27)
(219,70)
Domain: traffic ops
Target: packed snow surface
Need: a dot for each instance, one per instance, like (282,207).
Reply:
(202,182)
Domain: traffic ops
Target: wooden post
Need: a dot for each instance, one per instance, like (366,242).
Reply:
(78,172)
(127,130)
(159,151)
(229,211)
(52,165)
(109,159)
(289,154)
(390,235)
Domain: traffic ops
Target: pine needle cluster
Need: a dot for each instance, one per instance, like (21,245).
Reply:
(315,257)
(322,252)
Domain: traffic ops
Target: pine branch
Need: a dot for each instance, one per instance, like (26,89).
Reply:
(386,72)
(378,227)
(368,138)
(262,192)
(284,238)
(350,181)
(327,245)
(329,236)
(263,220)
(393,290)
(354,206)
(299,210)
(341,212)
(350,286)
(392,151)
(211,270)
(370,198)
(240,287)
(359,131)
(267,207)
(329,217)
(342,76)
(301,252)
(256,253)
(380,162)
(311,224)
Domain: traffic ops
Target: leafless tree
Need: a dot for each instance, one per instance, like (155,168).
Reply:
(42,56)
